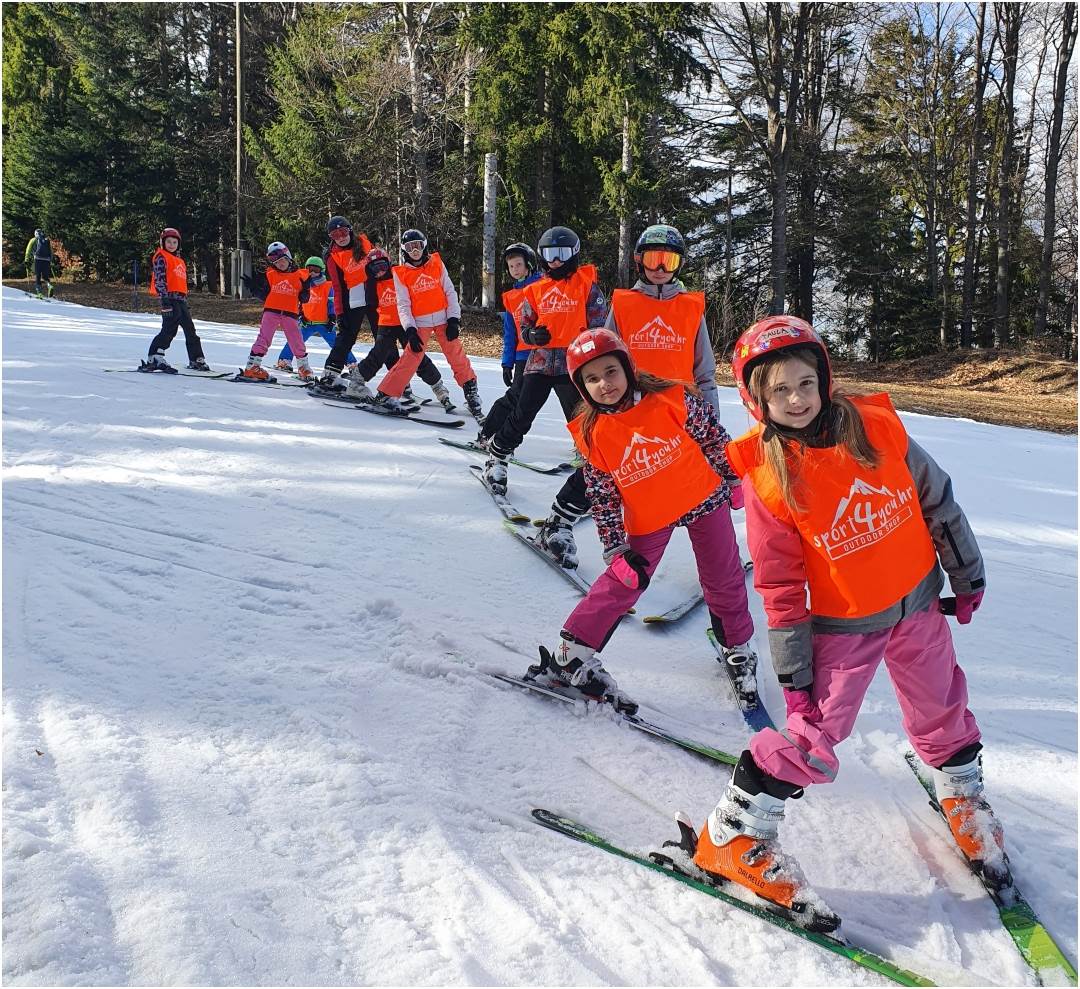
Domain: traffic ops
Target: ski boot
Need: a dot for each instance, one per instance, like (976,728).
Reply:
(357,388)
(304,372)
(472,400)
(979,835)
(409,399)
(391,404)
(495,474)
(482,442)
(199,364)
(157,362)
(283,365)
(738,844)
(556,538)
(254,370)
(442,393)
(741,665)
(576,665)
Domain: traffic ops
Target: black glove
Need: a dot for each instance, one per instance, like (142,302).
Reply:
(453,328)
(412,338)
(537,335)
(508,376)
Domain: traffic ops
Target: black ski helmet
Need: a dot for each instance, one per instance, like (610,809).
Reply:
(411,236)
(526,253)
(558,237)
(336,223)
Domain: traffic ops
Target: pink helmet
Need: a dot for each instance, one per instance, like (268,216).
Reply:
(767,336)
(591,344)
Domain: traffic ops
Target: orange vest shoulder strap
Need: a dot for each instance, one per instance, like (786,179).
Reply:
(745,453)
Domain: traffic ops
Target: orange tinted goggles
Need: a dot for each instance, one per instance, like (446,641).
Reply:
(654,260)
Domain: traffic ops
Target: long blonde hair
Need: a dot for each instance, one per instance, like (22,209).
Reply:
(783,454)
(645,383)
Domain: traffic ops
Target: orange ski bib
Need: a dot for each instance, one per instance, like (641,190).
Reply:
(284,289)
(661,334)
(317,308)
(175,272)
(424,285)
(658,468)
(561,305)
(865,542)
(513,299)
(387,302)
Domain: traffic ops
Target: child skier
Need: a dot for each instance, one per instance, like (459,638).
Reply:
(347,271)
(520,261)
(283,289)
(662,323)
(388,336)
(316,315)
(168,281)
(427,304)
(840,502)
(556,308)
(655,460)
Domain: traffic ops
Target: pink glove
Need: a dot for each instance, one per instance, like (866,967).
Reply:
(629,569)
(737,498)
(798,702)
(963,606)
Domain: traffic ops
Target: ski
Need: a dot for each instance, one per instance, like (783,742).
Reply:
(176,370)
(407,417)
(501,500)
(683,609)
(572,576)
(1033,941)
(272,380)
(341,399)
(840,946)
(674,614)
(570,696)
(476,448)
(744,688)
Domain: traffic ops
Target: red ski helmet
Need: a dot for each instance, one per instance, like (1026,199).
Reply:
(377,256)
(767,336)
(168,232)
(597,343)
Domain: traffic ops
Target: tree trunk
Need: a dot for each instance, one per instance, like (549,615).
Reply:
(413,22)
(1053,156)
(1011,14)
(466,176)
(625,232)
(974,155)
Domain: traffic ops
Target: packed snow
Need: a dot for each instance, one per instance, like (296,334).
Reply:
(246,742)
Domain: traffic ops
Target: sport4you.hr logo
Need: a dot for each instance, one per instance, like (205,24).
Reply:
(645,456)
(425,283)
(556,300)
(864,517)
(654,335)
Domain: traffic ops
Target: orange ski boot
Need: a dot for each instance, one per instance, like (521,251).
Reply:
(254,370)
(739,844)
(978,833)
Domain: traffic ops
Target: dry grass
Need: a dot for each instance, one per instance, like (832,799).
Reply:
(1000,387)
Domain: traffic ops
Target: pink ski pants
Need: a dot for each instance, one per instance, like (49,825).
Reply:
(723,582)
(402,372)
(930,686)
(272,322)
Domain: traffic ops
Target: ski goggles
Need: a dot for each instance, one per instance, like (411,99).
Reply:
(414,247)
(563,254)
(277,256)
(654,260)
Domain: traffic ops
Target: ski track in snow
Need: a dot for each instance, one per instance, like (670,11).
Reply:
(245,743)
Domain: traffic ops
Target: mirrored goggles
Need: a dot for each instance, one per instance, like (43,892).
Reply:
(276,256)
(655,260)
(563,254)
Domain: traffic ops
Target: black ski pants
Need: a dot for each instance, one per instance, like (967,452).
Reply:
(385,354)
(349,324)
(535,389)
(42,271)
(176,317)
(501,407)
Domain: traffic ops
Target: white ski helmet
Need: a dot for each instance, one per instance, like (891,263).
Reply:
(278,250)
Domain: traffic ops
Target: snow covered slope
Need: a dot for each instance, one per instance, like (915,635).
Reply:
(242,741)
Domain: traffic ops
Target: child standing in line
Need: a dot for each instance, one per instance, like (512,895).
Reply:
(388,337)
(346,268)
(427,305)
(842,503)
(283,289)
(316,315)
(520,261)
(168,281)
(654,459)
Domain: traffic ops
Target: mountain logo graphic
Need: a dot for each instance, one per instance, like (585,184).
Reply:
(425,283)
(645,455)
(864,516)
(555,300)
(655,335)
